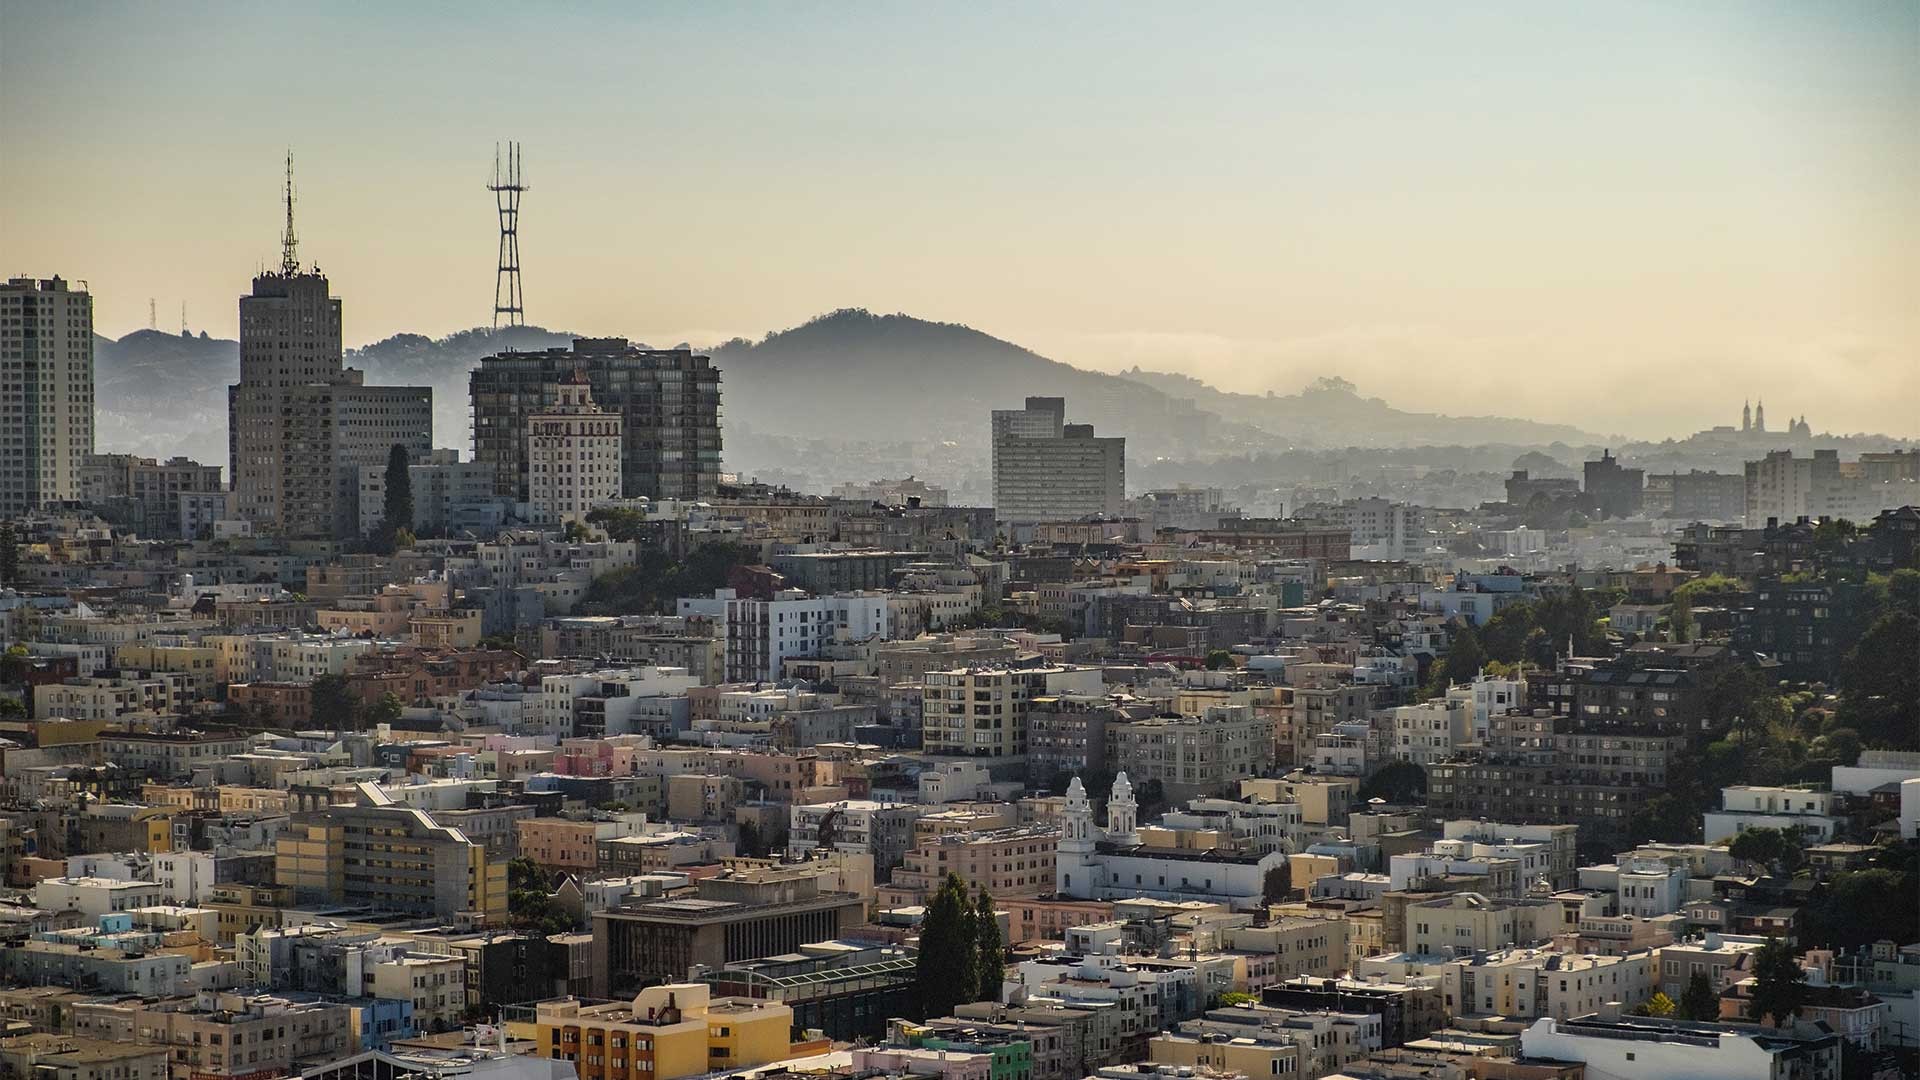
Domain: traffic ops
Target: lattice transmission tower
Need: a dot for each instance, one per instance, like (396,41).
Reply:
(507,188)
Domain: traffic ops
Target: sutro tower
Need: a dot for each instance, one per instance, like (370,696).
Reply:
(506,188)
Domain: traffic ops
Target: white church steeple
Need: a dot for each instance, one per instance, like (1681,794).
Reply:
(1122,813)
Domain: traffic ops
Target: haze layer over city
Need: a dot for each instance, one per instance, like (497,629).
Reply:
(980,542)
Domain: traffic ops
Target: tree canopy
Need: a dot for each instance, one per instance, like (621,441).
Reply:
(657,579)
(1780,984)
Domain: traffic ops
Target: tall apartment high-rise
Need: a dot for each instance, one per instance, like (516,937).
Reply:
(300,424)
(573,453)
(46,392)
(1045,469)
(668,401)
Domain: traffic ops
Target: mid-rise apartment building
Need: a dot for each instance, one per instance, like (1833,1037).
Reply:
(147,493)
(1193,755)
(389,857)
(217,1035)
(1045,469)
(982,712)
(668,400)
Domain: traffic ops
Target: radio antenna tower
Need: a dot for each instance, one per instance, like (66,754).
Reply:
(153,315)
(289,243)
(507,188)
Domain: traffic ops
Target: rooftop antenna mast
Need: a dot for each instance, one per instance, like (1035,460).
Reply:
(289,243)
(507,188)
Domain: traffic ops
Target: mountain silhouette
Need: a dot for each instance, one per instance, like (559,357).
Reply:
(849,376)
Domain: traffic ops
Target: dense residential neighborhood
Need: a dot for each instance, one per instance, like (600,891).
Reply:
(629,697)
(625,771)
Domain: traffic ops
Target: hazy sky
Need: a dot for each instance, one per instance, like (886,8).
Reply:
(1627,216)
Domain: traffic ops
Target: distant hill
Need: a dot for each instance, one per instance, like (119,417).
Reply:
(1331,412)
(855,376)
(443,363)
(161,394)
(850,376)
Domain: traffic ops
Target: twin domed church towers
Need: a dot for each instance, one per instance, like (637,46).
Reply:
(1075,866)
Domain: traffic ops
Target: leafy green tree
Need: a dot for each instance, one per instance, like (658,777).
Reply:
(1397,782)
(990,954)
(1665,818)
(1714,587)
(1880,683)
(530,904)
(9,555)
(332,702)
(1779,850)
(1698,1001)
(1657,1005)
(387,710)
(657,579)
(618,523)
(11,709)
(1235,998)
(1680,618)
(1780,984)
(1464,659)
(1219,658)
(945,972)
(751,844)
(1275,886)
(1505,635)
(1861,907)
(396,510)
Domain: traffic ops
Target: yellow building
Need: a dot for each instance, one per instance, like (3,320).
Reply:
(199,663)
(669,1031)
(1258,1054)
(392,857)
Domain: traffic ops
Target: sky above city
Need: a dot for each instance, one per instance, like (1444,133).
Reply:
(1627,216)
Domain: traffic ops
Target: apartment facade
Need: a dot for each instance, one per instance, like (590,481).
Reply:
(982,712)
(573,453)
(668,400)
(301,426)
(395,858)
(1045,469)
(46,392)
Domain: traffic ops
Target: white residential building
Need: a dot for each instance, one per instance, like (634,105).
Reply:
(1649,1048)
(762,634)
(616,701)
(1488,696)
(1746,806)
(1432,730)
(94,897)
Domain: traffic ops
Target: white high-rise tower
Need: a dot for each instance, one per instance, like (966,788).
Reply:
(46,365)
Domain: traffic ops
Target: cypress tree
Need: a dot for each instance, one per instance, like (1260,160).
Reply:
(946,973)
(990,954)
(397,510)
